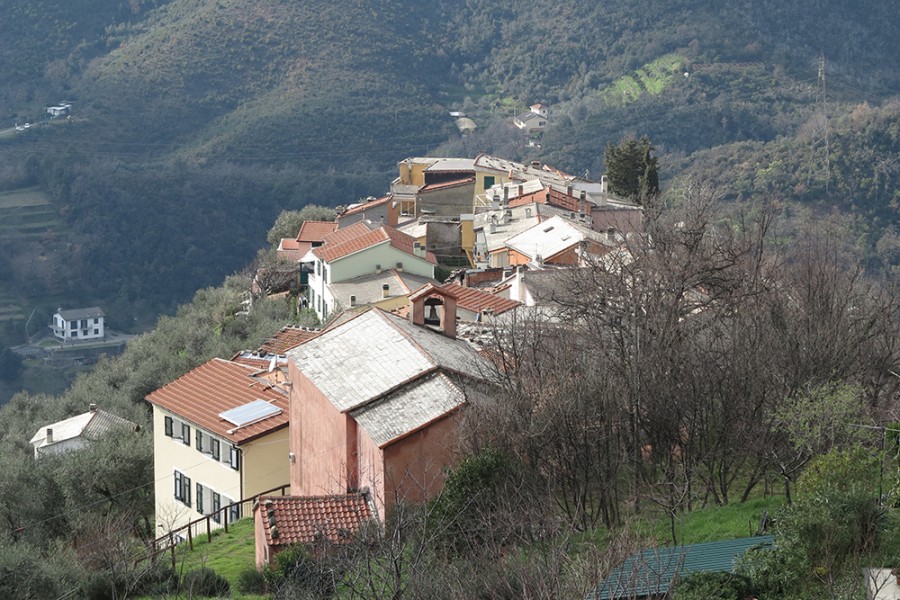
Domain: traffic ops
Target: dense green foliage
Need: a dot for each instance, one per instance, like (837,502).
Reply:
(828,534)
(713,586)
(632,171)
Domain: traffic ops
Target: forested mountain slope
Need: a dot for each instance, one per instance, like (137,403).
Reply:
(194,123)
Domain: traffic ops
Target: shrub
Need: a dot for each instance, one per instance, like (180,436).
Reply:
(205,583)
(296,572)
(251,581)
(713,586)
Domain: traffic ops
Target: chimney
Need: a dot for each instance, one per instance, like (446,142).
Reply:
(505,196)
(92,407)
(536,164)
(377,269)
(604,185)
(49,437)
(400,266)
(352,301)
(418,250)
(385,290)
(582,204)
(568,190)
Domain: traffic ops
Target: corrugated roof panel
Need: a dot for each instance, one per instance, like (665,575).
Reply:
(652,572)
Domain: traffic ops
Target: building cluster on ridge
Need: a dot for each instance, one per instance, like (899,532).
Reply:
(363,413)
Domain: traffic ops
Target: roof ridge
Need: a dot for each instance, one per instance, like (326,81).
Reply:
(374,400)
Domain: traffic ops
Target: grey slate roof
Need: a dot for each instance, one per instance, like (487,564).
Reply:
(91,425)
(410,408)
(373,353)
(653,571)
(367,288)
(80,313)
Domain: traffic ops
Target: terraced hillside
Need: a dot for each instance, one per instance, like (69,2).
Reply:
(26,214)
(33,241)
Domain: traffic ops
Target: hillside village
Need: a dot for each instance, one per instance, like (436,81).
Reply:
(472,289)
(363,411)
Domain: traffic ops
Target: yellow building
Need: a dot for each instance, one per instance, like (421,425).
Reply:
(220,435)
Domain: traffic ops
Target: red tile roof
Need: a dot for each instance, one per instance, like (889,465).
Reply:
(366,205)
(477,300)
(259,364)
(287,338)
(315,231)
(557,198)
(399,240)
(214,387)
(307,519)
(345,234)
(288,244)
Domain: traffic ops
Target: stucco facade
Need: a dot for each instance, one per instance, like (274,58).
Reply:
(368,260)
(262,464)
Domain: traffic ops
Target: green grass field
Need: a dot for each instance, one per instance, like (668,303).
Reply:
(652,78)
(32,196)
(27,212)
(228,554)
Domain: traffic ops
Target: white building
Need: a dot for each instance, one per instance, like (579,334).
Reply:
(358,250)
(79,324)
(75,432)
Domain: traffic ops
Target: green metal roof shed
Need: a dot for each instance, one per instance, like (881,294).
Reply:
(651,573)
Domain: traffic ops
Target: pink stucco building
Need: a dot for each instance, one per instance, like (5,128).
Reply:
(376,400)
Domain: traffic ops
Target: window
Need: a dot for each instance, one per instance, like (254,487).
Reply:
(84,324)
(198,435)
(74,334)
(488,182)
(73,325)
(216,507)
(169,426)
(96,332)
(214,448)
(200,499)
(234,458)
(186,434)
(234,512)
(96,321)
(182,488)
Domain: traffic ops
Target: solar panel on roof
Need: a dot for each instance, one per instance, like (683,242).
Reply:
(250,413)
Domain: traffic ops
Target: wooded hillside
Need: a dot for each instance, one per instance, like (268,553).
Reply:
(195,123)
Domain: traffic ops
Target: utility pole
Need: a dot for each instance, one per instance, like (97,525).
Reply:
(820,135)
